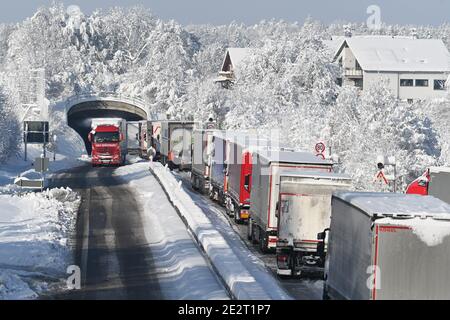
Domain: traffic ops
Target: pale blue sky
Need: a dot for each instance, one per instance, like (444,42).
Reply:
(251,11)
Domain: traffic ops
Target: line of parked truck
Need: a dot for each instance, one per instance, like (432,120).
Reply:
(368,245)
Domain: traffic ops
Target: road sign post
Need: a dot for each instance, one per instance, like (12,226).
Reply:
(35,132)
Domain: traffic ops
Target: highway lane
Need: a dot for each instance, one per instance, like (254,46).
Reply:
(119,257)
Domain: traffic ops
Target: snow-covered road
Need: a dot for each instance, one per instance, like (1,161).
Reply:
(131,242)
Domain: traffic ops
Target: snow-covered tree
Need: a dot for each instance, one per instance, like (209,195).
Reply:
(9,129)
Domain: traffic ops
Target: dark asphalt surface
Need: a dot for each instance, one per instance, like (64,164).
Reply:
(111,247)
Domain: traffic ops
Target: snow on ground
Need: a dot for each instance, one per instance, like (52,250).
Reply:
(185,273)
(35,227)
(34,248)
(243,273)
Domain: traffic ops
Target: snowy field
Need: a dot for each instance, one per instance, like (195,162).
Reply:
(34,241)
(35,228)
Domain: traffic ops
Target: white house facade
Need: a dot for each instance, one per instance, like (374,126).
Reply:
(414,69)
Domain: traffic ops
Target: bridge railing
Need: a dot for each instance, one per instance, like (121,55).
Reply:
(112,96)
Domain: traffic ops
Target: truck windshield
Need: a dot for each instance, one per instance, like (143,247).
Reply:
(101,137)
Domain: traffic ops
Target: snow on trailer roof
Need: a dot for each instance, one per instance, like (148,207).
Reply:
(407,54)
(396,204)
(439,169)
(292,157)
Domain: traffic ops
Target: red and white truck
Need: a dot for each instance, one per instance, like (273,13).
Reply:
(239,160)
(434,182)
(108,140)
(268,165)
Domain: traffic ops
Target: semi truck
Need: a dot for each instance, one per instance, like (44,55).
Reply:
(202,146)
(303,211)
(239,162)
(434,182)
(108,140)
(388,246)
(176,141)
(217,176)
(268,165)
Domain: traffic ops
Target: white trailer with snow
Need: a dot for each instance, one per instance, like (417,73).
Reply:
(268,165)
(304,211)
(386,246)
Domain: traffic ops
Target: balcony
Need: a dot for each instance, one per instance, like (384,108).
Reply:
(353,73)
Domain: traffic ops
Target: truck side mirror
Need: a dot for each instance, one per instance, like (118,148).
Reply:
(322,235)
(247,182)
(277,210)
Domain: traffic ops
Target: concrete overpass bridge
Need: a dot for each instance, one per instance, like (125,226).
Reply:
(81,109)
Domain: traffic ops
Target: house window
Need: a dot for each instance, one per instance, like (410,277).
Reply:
(439,84)
(359,83)
(406,82)
(421,83)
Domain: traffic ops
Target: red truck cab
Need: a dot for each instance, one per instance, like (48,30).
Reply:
(108,147)
(420,185)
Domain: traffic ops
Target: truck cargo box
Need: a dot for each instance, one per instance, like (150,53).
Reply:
(202,147)
(239,160)
(218,167)
(267,167)
(388,246)
(176,143)
(304,211)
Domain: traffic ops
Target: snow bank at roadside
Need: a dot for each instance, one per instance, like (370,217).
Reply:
(239,279)
(34,247)
(183,272)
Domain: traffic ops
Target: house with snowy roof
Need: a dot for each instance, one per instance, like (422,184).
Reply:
(414,69)
(231,62)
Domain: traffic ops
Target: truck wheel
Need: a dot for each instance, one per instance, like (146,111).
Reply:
(253,233)
(325,295)
(263,241)
(249,231)
(237,219)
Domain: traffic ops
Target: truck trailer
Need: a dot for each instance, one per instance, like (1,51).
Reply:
(303,211)
(109,141)
(388,246)
(433,182)
(268,165)
(217,183)
(239,160)
(176,141)
(202,147)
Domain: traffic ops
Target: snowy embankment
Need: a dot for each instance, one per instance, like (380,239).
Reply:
(242,280)
(34,248)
